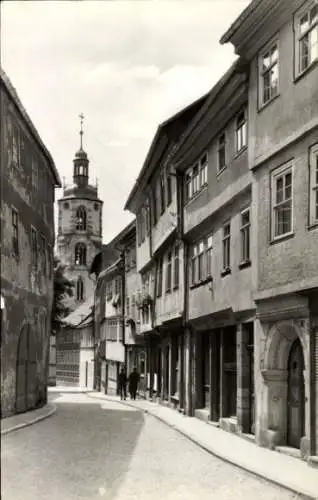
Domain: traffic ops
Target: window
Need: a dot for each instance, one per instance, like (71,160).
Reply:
(43,252)
(196,177)
(169,272)
(194,264)
(245,235)
(282,201)
(154,210)
(81,219)
(189,184)
(159,277)
(35,173)
(226,246)
(268,65)
(80,254)
(169,188)
(162,194)
(221,152)
(306,30)
(34,246)
(200,260)
(241,136)
(96,206)
(66,205)
(209,249)
(204,170)
(314,184)
(176,267)
(15,232)
(80,289)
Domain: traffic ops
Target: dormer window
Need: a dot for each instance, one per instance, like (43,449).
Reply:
(81,219)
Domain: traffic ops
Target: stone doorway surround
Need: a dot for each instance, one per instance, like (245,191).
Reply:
(274,381)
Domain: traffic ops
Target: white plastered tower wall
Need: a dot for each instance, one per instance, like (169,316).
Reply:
(79,227)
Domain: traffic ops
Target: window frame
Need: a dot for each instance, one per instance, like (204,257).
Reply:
(176,266)
(194,180)
(226,247)
(159,277)
(245,233)
(169,187)
(298,36)
(313,185)
(241,130)
(83,246)
(275,174)
(221,148)
(169,271)
(162,194)
(81,218)
(209,255)
(15,231)
(35,173)
(261,72)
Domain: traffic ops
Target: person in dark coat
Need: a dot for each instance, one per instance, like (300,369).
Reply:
(122,384)
(133,383)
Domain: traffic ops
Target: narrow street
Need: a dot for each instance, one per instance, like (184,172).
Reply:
(97,449)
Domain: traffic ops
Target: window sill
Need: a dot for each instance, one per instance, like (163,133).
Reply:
(225,272)
(168,290)
(196,195)
(220,172)
(284,237)
(313,225)
(309,68)
(244,264)
(240,152)
(267,103)
(201,283)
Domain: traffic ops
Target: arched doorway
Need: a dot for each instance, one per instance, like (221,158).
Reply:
(295,395)
(25,372)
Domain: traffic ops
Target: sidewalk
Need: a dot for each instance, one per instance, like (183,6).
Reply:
(289,472)
(31,417)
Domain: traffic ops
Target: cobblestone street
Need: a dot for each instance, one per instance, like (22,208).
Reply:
(98,449)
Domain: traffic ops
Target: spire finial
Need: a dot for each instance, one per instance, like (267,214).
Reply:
(81,116)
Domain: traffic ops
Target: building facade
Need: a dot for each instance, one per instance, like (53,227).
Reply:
(217,185)
(28,180)
(79,236)
(281,53)
(75,349)
(155,200)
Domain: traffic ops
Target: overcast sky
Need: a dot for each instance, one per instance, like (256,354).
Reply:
(127,65)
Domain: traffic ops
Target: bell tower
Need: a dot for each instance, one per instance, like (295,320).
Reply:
(79,235)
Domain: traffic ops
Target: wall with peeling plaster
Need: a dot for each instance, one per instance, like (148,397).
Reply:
(26,284)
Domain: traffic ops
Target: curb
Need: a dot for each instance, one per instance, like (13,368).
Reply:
(31,422)
(305,496)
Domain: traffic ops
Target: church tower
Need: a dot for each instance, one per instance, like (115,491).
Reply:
(79,236)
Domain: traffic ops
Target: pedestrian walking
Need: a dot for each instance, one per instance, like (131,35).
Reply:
(122,384)
(133,383)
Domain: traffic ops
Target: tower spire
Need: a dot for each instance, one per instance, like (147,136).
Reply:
(81,117)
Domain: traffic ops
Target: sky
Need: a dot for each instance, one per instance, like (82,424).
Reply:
(126,65)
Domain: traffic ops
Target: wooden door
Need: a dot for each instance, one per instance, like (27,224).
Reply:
(296,395)
(25,372)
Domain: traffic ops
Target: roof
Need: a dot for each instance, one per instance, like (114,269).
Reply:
(245,14)
(110,268)
(196,124)
(81,314)
(161,130)
(15,98)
